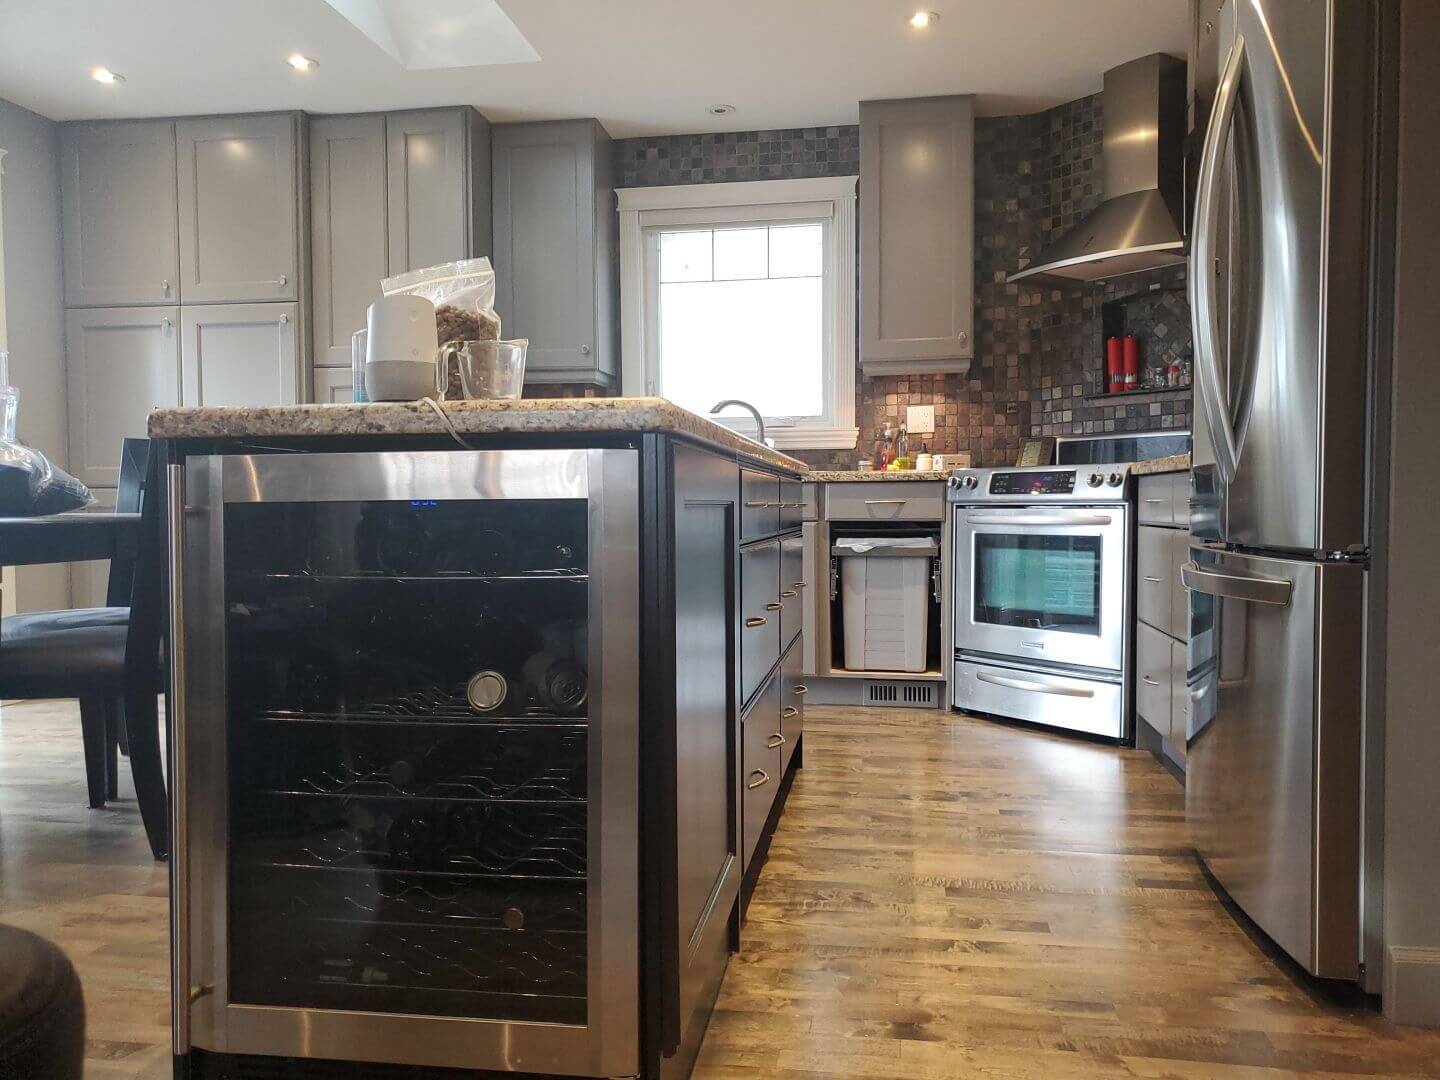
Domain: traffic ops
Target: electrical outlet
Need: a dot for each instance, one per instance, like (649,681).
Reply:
(920,419)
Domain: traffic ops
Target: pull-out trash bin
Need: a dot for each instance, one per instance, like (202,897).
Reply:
(883,582)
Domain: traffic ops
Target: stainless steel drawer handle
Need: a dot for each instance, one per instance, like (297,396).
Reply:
(1154,500)
(761,505)
(886,502)
(1257,590)
(755,620)
(764,776)
(799,689)
(1149,681)
(775,605)
(775,741)
(1032,518)
(1034,687)
(789,594)
(800,585)
(789,712)
(1154,580)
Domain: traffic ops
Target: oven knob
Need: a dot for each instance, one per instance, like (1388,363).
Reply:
(1116,479)
(953,483)
(970,482)
(1095,479)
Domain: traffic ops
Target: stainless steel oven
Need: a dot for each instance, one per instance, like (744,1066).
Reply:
(1041,569)
(405,722)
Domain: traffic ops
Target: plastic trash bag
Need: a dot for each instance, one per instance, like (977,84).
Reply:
(31,486)
(464,297)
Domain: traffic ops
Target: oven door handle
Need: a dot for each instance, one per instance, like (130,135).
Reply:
(1043,518)
(1033,686)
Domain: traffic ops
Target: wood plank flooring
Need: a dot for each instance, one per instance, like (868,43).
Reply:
(946,897)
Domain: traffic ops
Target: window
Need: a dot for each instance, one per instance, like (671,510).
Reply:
(744,290)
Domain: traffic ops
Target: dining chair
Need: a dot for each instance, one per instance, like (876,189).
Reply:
(97,655)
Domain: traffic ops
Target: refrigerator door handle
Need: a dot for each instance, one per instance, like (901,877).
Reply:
(1256,590)
(1202,275)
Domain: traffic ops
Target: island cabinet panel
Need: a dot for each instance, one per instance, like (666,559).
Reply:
(117,190)
(760,611)
(555,248)
(239,188)
(917,235)
(705,800)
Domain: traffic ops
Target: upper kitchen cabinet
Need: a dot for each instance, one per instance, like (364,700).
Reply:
(240,354)
(239,188)
(121,239)
(437,163)
(347,228)
(917,235)
(120,363)
(555,248)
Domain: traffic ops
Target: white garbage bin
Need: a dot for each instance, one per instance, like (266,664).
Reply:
(883,590)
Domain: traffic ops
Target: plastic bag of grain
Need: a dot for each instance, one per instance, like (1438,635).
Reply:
(464,297)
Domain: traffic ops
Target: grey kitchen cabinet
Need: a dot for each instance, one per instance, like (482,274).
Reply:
(760,609)
(917,235)
(555,248)
(762,759)
(437,165)
(759,503)
(792,589)
(332,386)
(117,191)
(239,208)
(240,354)
(1162,609)
(120,364)
(348,245)
(792,702)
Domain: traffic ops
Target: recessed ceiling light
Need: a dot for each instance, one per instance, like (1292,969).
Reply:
(922,19)
(301,63)
(106,76)
(720,110)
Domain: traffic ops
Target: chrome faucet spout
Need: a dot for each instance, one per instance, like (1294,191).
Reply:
(759,420)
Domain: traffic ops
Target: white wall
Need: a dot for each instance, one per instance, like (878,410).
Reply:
(1412,715)
(34,325)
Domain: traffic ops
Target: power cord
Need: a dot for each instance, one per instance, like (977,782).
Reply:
(450,427)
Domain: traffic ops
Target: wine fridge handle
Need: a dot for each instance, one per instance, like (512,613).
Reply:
(179,844)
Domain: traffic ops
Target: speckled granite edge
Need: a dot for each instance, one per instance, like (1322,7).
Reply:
(843,476)
(530,416)
(1173,463)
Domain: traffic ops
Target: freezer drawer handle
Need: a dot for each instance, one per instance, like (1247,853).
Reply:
(1035,687)
(1039,519)
(1257,590)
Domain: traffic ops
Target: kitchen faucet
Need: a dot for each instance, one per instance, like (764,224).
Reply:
(759,421)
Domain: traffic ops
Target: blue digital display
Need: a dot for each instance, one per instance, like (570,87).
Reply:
(424,504)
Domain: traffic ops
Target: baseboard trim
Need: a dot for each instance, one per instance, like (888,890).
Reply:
(1412,985)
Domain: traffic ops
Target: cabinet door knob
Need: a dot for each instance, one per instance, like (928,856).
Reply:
(284,319)
(165,323)
(754,783)
(281,280)
(755,620)
(964,336)
(165,286)
(584,350)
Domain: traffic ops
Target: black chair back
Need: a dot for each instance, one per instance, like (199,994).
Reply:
(129,499)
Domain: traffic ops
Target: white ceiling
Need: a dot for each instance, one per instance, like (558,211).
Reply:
(642,66)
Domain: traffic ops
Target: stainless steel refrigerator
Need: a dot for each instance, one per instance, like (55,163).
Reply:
(1277,575)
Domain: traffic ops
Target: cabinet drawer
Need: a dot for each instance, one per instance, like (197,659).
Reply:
(792,702)
(1154,588)
(885,500)
(1179,699)
(1152,677)
(792,588)
(1179,625)
(759,504)
(760,612)
(1164,499)
(792,504)
(761,763)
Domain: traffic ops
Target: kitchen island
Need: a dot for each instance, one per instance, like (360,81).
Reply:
(481,724)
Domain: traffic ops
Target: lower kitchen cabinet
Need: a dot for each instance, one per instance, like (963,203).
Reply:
(1153,684)
(240,354)
(760,611)
(1162,610)
(120,364)
(763,762)
(333,386)
(792,703)
(792,589)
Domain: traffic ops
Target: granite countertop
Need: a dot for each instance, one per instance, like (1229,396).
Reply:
(837,476)
(531,416)
(1173,463)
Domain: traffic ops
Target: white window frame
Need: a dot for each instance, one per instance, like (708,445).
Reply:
(645,212)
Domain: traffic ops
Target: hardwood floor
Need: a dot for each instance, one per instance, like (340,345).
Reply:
(946,897)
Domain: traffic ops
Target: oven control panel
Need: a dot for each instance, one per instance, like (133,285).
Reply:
(1054,482)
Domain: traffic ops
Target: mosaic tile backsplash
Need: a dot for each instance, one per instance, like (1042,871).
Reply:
(1039,350)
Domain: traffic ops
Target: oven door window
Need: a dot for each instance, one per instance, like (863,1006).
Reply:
(1038,581)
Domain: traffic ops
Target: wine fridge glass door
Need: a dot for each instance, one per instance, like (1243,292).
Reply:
(408,830)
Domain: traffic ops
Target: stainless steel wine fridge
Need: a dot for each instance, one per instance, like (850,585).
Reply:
(404,755)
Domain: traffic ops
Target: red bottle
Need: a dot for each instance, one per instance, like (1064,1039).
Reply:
(1114,366)
(1131,351)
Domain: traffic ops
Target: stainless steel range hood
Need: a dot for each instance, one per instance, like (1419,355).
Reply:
(1138,226)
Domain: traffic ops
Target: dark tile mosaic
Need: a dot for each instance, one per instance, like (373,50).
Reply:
(718,157)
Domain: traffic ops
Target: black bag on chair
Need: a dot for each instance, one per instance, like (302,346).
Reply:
(42,1012)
